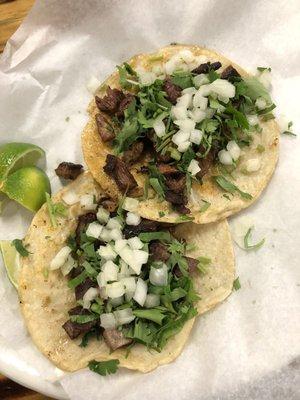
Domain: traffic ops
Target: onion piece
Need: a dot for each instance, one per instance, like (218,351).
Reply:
(147,78)
(117,301)
(265,78)
(101,280)
(200,101)
(225,157)
(197,115)
(196,136)
(185,125)
(110,271)
(60,258)
(94,230)
(130,286)
(89,296)
(107,252)
(222,88)
(87,202)
(200,79)
(140,293)
(189,90)
(108,321)
(182,147)
(135,243)
(124,316)
(68,265)
(159,276)
(70,197)
(140,256)
(253,165)
(180,137)
(233,149)
(120,244)
(261,103)
(114,223)
(194,168)
(185,100)
(152,300)
(178,112)
(130,204)
(115,289)
(116,234)
(133,219)
(102,215)
(105,235)
(252,119)
(159,127)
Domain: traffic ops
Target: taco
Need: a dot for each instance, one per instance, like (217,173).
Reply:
(186,131)
(102,283)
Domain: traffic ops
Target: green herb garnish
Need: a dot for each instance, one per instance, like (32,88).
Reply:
(18,244)
(230,187)
(104,367)
(55,210)
(236,284)
(252,246)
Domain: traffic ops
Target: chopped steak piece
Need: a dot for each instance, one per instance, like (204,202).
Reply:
(159,251)
(115,339)
(111,101)
(118,170)
(124,104)
(83,221)
(181,209)
(163,158)
(173,91)
(78,310)
(229,73)
(75,329)
(68,170)
(146,225)
(105,129)
(206,163)
(109,204)
(176,198)
(135,151)
(206,67)
(176,184)
(167,169)
(83,287)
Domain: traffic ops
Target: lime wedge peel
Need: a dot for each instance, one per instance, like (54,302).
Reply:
(11,259)
(15,155)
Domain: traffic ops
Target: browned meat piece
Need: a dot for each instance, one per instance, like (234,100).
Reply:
(118,170)
(192,267)
(181,209)
(173,91)
(105,129)
(68,170)
(124,104)
(206,163)
(163,158)
(115,339)
(75,329)
(131,155)
(111,101)
(167,169)
(176,184)
(159,251)
(206,67)
(83,221)
(109,204)
(145,225)
(229,73)
(81,289)
(175,198)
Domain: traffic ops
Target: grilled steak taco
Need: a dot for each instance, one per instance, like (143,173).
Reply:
(101,283)
(184,130)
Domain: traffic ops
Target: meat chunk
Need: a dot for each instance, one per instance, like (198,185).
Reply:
(125,102)
(74,329)
(83,221)
(206,67)
(145,225)
(181,209)
(176,198)
(118,170)
(176,184)
(115,339)
(173,91)
(83,287)
(131,155)
(105,129)
(109,204)
(229,72)
(111,101)
(159,251)
(68,170)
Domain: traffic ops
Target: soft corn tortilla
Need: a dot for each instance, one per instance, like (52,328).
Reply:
(45,301)
(95,152)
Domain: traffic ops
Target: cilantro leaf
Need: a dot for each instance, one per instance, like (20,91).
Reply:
(255,89)
(104,367)
(83,319)
(148,236)
(249,246)
(151,314)
(55,210)
(77,280)
(230,187)
(236,284)
(183,79)
(18,244)
(205,206)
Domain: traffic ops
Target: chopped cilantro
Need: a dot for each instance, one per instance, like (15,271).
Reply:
(95,332)
(151,314)
(205,206)
(148,236)
(183,218)
(236,284)
(260,148)
(262,69)
(77,280)
(18,244)
(83,319)
(161,214)
(104,367)
(230,187)
(252,246)
(288,131)
(55,210)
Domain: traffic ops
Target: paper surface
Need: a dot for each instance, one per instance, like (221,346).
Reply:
(248,347)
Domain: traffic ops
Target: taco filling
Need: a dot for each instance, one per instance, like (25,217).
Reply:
(185,119)
(131,278)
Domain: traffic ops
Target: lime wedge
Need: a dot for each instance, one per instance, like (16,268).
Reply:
(18,155)
(11,261)
(27,186)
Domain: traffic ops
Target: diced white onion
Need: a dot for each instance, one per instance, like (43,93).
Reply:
(110,271)
(130,204)
(70,197)
(117,301)
(233,149)
(60,258)
(223,88)
(265,78)
(140,293)
(261,103)
(140,256)
(105,235)
(185,125)
(116,234)
(170,66)
(130,286)
(124,270)
(108,321)
(159,127)
(194,168)
(252,119)
(200,79)
(196,136)
(197,115)
(132,219)
(103,293)
(253,165)
(114,223)
(178,112)
(102,215)
(200,101)
(283,123)
(209,113)
(225,157)
(68,265)
(184,101)
(189,90)
(186,55)
(87,202)
(159,276)
(115,289)
(135,243)
(124,316)
(182,147)
(107,252)
(180,137)
(89,296)
(204,90)
(119,244)
(94,230)
(152,300)
(93,84)
(147,77)
(101,280)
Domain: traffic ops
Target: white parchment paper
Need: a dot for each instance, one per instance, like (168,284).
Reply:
(248,347)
